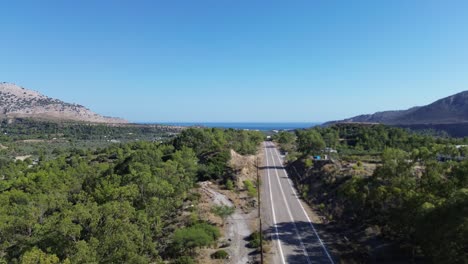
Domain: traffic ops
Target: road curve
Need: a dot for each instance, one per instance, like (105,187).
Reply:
(295,239)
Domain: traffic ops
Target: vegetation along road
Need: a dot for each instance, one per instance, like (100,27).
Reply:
(287,222)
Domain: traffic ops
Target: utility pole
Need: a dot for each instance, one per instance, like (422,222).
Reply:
(259,213)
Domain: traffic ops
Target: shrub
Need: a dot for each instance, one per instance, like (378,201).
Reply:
(199,235)
(321,207)
(308,163)
(254,240)
(184,260)
(220,254)
(230,185)
(266,248)
(193,196)
(251,190)
(223,211)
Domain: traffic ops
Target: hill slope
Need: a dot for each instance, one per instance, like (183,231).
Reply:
(18,102)
(449,110)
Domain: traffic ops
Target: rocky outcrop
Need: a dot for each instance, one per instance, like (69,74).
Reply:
(18,102)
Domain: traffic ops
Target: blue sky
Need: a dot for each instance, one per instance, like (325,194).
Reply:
(242,60)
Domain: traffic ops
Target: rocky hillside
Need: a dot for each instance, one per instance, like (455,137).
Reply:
(18,102)
(450,110)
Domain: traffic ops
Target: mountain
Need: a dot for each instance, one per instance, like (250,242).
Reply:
(449,114)
(18,102)
(386,117)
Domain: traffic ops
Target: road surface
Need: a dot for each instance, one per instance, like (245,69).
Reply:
(286,222)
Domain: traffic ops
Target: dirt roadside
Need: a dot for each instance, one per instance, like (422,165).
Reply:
(240,225)
(237,227)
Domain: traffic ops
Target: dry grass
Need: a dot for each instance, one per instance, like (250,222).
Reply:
(244,166)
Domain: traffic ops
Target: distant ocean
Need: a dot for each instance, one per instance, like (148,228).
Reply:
(245,125)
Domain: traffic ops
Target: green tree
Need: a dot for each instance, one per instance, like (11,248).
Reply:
(443,233)
(85,253)
(37,256)
(331,138)
(310,141)
(286,137)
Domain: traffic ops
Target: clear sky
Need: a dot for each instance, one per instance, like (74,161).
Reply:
(236,60)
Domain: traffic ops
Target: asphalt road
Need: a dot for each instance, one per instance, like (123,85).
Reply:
(285,218)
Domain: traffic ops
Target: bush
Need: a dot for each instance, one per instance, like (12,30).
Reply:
(266,248)
(229,185)
(359,164)
(254,240)
(304,191)
(250,187)
(199,235)
(223,211)
(220,254)
(193,196)
(308,163)
(184,260)
(292,156)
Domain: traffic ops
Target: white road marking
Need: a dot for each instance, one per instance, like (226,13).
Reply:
(291,216)
(273,209)
(305,213)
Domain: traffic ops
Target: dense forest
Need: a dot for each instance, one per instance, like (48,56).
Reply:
(133,202)
(120,204)
(42,140)
(417,195)
(19,129)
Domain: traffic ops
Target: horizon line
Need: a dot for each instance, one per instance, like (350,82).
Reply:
(234,122)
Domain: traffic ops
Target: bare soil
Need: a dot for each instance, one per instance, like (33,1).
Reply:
(238,227)
(22,158)
(245,166)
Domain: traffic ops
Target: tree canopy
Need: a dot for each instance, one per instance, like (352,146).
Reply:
(417,195)
(120,204)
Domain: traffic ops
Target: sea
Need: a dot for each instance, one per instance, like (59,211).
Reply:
(262,126)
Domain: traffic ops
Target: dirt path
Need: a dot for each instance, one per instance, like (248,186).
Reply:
(236,228)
